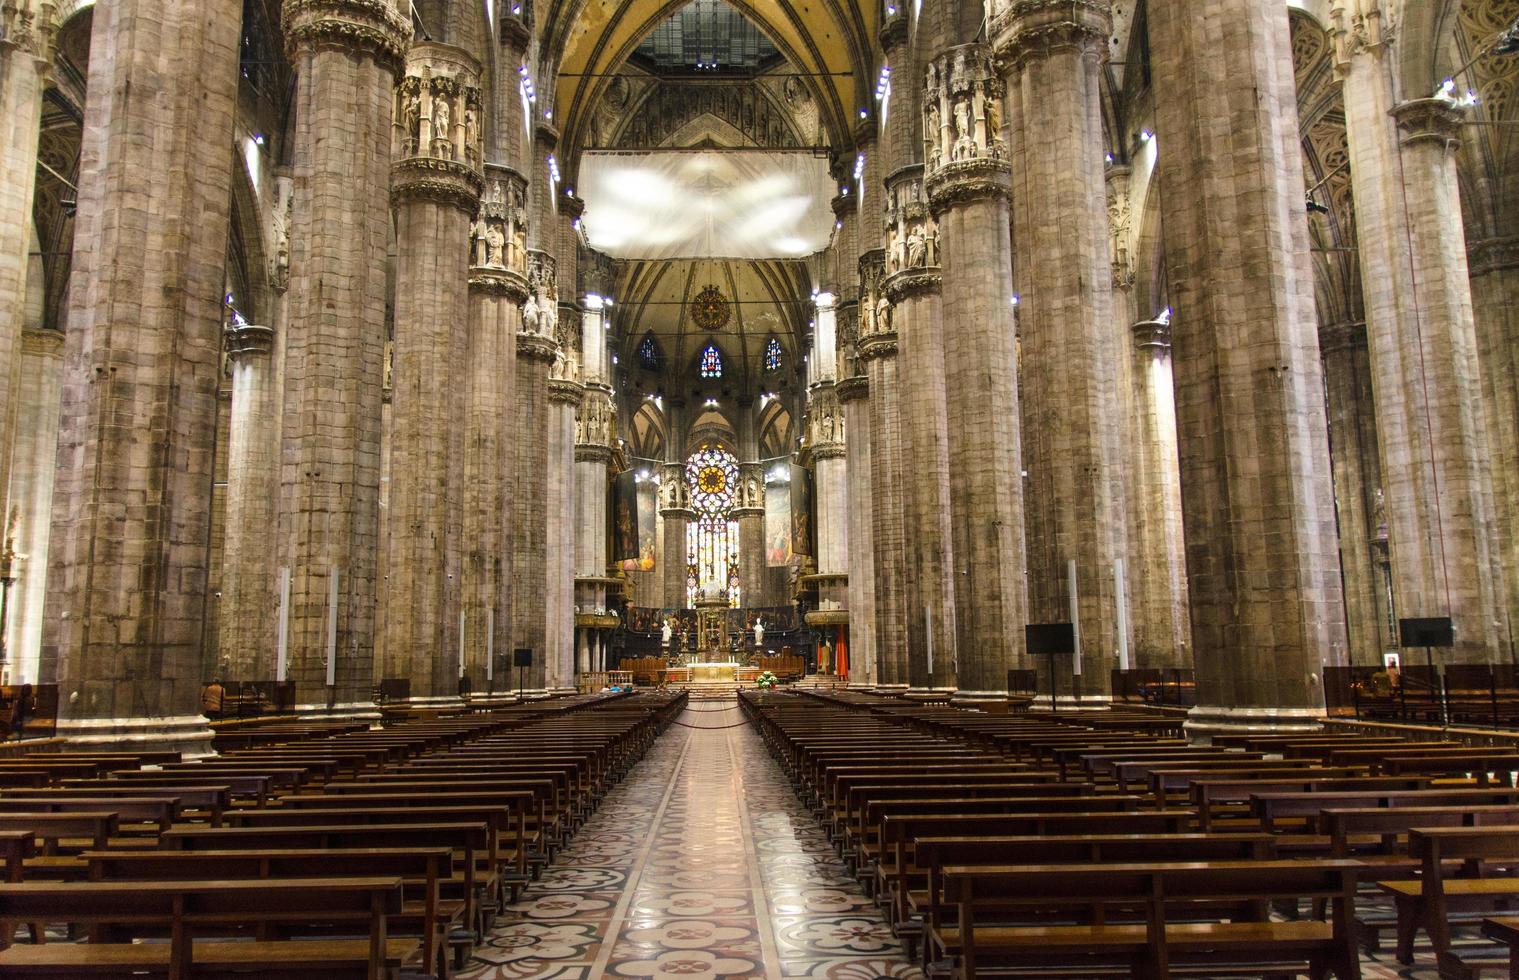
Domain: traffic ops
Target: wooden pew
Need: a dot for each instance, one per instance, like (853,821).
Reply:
(425,915)
(1505,929)
(213,909)
(15,847)
(1272,807)
(1436,900)
(985,931)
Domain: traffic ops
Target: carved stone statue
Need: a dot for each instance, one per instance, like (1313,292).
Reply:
(530,315)
(965,144)
(441,121)
(759,632)
(666,633)
(495,245)
(932,240)
(471,132)
(477,246)
(413,119)
(917,248)
(883,314)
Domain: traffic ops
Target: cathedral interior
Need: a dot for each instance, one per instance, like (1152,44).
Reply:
(432,371)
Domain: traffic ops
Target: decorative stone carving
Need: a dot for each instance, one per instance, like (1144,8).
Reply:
(963,149)
(674,494)
(247,340)
(437,141)
(750,500)
(498,235)
(380,28)
(279,221)
(30,26)
(594,422)
(1120,226)
(826,421)
(912,239)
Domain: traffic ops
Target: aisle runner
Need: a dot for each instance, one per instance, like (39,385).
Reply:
(700,864)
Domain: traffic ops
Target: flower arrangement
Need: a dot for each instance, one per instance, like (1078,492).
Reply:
(766,681)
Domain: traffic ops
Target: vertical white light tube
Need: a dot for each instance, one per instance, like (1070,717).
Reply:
(490,644)
(332,626)
(1121,601)
(928,612)
(1075,617)
(461,643)
(282,643)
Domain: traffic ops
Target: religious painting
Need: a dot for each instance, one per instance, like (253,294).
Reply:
(777,527)
(801,511)
(625,537)
(648,524)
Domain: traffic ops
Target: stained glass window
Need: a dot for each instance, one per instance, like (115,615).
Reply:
(773,355)
(711,362)
(648,352)
(712,538)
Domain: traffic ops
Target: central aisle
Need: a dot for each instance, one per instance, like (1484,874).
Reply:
(700,864)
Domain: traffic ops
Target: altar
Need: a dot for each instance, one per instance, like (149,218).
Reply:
(714,672)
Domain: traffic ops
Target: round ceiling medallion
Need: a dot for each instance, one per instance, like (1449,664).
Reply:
(709,310)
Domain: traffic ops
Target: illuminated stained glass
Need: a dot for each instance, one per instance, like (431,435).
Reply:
(711,362)
(712,538)
(773,355)
(648,353)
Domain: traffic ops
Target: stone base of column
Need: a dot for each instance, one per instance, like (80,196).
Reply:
(436,701)
(992,702)
(1205,721)
(892,690)
(187,734)
(354,710)
(1071,702)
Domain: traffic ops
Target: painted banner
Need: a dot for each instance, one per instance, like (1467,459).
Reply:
(625,543)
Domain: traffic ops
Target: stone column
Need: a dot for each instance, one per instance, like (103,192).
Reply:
(1071,400)
(1262,564)
(348,56)
(250,600)
(497,289)
(436,185)
(675,509)
(1357,483)
(132,507)
(878,352)
(854,396)
(566,395)
(26,33)
(967,185)
(912,284)
(1436,469)
(827,442)
(593,457)
(1495,298)
(537,351)
(753,570)
(34,461)
(1159,607)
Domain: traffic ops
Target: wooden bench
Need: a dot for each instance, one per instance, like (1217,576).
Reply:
(1505,929)
(424,914)
(996,924)
(1273,807)
(212,909)
(1435,900)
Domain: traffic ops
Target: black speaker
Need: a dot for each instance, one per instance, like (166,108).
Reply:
(522,657)
(1047,638)
(1434,632)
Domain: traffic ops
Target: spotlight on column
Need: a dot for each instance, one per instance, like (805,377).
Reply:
(1508,41)
(1314,207)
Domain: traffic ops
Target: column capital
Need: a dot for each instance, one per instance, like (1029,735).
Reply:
(498,282)
(878,345)
(571,207)
(1354,35)
(894,30)
(844,205)
(42,341)
(566,391)
(446,182)
(912,282)
(751,490)
(1024,29)
(593,422)
(537,347)
(374,27)
(1433,120)
(965,157)
(515,32)
(247,341)
(853,389)
(1335,338)
(912,231)
(31,28)
(1154,334)
(1493,255)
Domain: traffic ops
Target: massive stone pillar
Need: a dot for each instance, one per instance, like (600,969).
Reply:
(250,601)
(29,524)
(347,57)
(912,284)
(1436,469)
(537,351)
(1071,401)
(889,547)
(753,568)
(1495,298)
(1262,563)
(594,426)
(1357,482)
(436,184)
(826,440)
(497,289)
(1159,605)
(675,509)
(854,396)
(132,515)
(566,395)
(26,31)
(966,178)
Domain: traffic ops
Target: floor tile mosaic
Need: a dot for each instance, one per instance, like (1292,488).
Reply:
(700,864)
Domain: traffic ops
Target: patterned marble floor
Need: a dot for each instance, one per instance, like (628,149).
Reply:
(701,863)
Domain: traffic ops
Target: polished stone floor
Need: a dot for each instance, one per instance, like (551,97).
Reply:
(701,863)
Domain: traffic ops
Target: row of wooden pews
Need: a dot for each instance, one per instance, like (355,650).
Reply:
(1063,844)
(347,851)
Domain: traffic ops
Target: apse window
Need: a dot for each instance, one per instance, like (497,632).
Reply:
(711,362)
(773,355)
